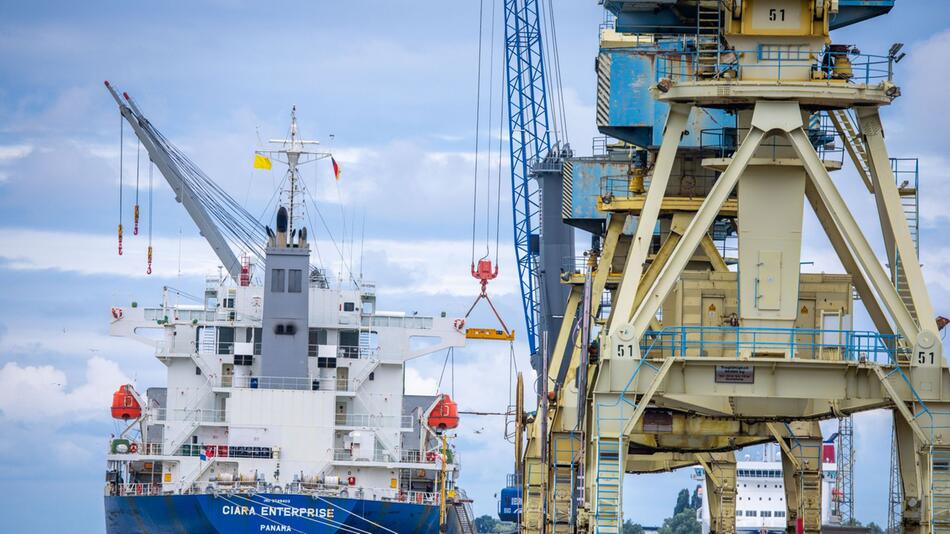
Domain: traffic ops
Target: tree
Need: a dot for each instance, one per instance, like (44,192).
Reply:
(485,523)
(682,523)
(629,527)
(874,528)
(697,500)
(682,502)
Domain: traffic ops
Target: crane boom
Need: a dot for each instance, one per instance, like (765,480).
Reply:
(529,141)
(184,193)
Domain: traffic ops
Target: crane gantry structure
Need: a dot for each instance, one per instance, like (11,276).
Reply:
(730,116)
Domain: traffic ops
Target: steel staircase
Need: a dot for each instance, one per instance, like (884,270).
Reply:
(609,484)
(940,489)
(853,143)
(906,175)
(466,526)
(708,44)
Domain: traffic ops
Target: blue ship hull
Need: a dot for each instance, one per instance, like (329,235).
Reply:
(266,512)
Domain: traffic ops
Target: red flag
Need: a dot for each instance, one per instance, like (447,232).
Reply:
(336,168)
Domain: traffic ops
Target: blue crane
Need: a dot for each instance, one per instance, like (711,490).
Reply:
(530,141)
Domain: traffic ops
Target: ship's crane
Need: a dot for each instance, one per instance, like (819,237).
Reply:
(220,219)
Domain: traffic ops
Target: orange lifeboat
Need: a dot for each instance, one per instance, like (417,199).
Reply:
(445,414)
(125,404)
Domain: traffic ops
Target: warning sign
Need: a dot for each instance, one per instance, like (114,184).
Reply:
(735,374)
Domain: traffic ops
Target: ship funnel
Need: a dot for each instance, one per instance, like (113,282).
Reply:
(282,227)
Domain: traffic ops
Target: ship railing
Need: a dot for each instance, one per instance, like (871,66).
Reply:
(137,488)
(374,420)
(285,382)
(184,315)
(793,63)
(798,343)
(418,322)
(200,415)
(406,456)
(208,450)
(346,351)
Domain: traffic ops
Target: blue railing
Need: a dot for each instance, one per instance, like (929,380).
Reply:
(729,342)
(779,63)
(722,142)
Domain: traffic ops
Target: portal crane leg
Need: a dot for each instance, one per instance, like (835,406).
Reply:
(801,469)
(720,469)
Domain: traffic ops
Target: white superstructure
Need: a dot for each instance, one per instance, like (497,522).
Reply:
(345,427)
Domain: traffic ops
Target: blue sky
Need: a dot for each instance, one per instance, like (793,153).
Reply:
(394,82)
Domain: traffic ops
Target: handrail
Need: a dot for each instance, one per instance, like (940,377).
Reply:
(373,420)
(700,341)
(731,65)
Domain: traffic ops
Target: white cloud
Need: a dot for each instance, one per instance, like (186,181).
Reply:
(93,254)
(33,394)
(12,152)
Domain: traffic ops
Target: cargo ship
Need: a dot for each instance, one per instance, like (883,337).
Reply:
(284,407)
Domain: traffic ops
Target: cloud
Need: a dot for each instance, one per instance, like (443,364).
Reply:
(95,254)
(11,152)
(33,394)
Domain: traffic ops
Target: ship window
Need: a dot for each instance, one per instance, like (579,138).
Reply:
(780,513)
(240,359)
(258,334)
(294,281)
(317,336)
(750,513)
(349,306)
(229,302)
(372,376)
(277,280)
(766,513)
(197,370)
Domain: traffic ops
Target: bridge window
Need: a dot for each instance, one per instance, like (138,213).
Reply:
(277,280)
(294,282)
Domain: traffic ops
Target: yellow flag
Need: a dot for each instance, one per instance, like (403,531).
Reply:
(261,162)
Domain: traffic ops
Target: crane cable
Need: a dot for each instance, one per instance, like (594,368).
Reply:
(135,208)
(121,156)
(151,167)
(478,116)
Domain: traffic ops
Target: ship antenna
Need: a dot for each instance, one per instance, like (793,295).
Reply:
(294,152)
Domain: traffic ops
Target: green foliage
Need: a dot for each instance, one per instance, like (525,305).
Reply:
(697,501)
(485,523)
(629,527)
(874,528)
(682,523)
(682,502)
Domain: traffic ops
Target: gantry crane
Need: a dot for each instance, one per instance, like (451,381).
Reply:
(759,353)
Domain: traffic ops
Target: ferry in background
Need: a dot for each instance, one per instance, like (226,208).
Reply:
(284,407)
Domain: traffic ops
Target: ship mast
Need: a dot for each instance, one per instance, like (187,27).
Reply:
(294,153)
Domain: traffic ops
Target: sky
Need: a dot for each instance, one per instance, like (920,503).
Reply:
(390,89)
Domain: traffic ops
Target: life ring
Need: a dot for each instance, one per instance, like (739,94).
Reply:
(430,456)
(459,324)
(401,497)
(116,313)
(351,481)
(133,448)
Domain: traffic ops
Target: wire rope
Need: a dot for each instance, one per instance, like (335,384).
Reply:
(478,114)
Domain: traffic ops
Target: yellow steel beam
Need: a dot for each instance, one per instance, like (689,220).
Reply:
(635,204)
(489,333)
